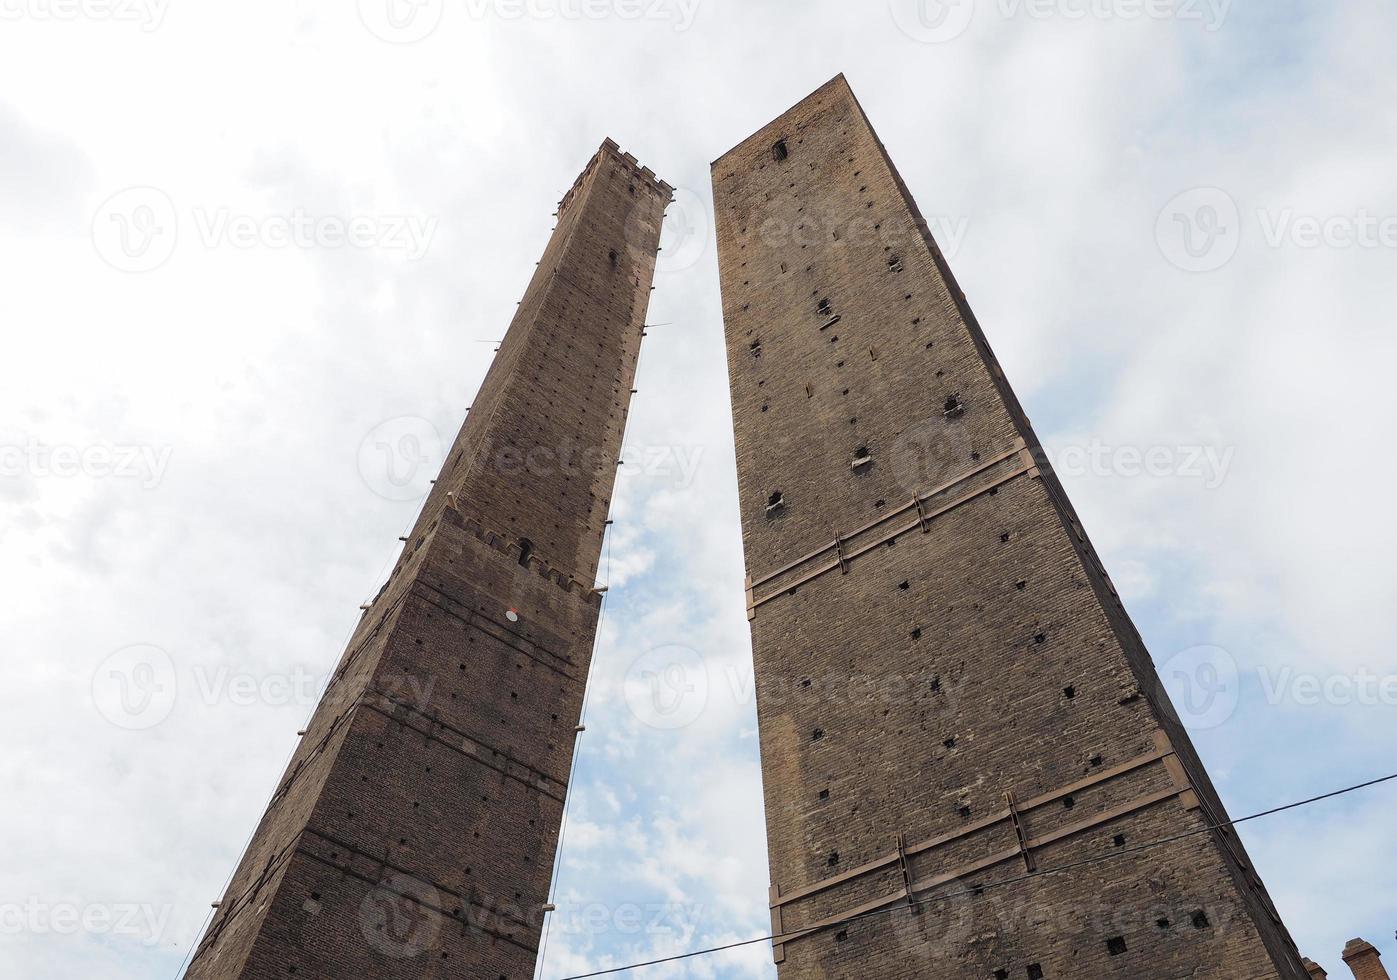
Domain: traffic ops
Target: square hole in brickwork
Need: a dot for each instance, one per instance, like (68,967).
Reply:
(1118,840)
(1001,975)
(1162,923)
(1068,802)
(1035,972)
(1069,692)
(833,859)
(1200,920)
(1115,945)
(824,794)
(841,936)
(817,734)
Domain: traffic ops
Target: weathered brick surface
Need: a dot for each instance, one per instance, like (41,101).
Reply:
(1363,959)
(978,653)
(414,832)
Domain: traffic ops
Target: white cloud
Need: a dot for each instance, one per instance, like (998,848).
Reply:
(262,370)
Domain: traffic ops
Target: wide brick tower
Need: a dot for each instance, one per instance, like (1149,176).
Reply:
(414,832)
(950,693)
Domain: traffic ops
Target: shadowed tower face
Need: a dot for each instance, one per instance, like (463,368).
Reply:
(950,693)
(414,832)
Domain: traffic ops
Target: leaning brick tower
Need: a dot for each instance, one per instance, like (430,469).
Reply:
(414,832)
(951,696)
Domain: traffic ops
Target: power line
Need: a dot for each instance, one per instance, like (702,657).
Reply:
(979,889)
(576,756)
(329,679)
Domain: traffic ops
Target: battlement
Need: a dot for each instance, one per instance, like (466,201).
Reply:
(611,150)
(505,545)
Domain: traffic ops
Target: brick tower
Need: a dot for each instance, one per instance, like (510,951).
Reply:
(414,832)
(950,693)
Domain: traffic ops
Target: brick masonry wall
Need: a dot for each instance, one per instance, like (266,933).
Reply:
(931,628)
(414,833)
(1364,960)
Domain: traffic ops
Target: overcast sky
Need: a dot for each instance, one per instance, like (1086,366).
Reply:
(247,246)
